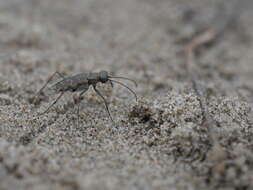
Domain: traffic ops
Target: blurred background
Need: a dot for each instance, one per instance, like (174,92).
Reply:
(138,38)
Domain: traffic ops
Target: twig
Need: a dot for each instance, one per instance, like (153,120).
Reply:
(208,36)
(198,89)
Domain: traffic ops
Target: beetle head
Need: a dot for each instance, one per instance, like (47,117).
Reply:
(103,76)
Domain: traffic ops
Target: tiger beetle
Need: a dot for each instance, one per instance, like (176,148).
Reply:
(81,83)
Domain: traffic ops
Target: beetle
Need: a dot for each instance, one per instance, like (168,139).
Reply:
(81,83)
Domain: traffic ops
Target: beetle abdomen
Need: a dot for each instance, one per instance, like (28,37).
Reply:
(75,83)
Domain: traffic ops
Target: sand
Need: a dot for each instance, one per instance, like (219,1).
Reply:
(165,140)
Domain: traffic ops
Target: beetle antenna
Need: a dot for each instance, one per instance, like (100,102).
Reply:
(125,79)
(122,84)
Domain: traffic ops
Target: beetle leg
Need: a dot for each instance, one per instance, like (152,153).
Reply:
(78,105)
(56,100)
(111,83)
(49,79)
(106,105)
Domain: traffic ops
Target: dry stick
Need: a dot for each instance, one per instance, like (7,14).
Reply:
(208,36)
(192,71)
(216,155)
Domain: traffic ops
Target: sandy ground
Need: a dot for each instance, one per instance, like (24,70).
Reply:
(169,138)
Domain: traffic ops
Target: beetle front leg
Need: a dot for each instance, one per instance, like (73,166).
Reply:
(106,104)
